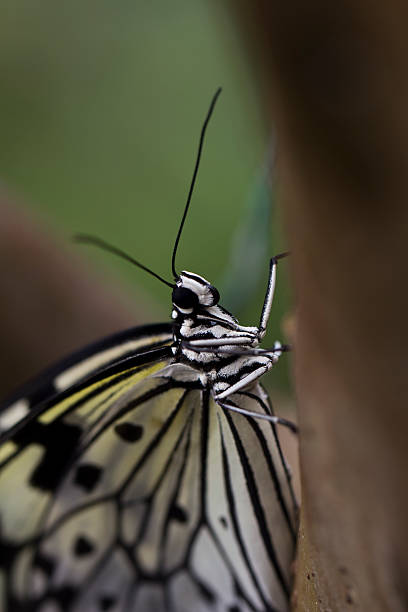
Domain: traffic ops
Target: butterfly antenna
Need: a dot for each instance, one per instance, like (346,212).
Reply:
(193,180)
(105,246)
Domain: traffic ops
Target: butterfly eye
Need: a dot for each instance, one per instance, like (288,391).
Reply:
(184,298)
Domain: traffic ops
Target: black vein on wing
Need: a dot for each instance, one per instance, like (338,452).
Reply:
(235,523)
(159,576)
(288,476)
(257,505)
(269,461)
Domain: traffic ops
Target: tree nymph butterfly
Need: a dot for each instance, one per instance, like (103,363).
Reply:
(144,473)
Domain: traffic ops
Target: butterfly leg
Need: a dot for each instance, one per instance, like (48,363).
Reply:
(230,405)
(249,365)
(267,305)
(260,366)
(226,346)
(214,343)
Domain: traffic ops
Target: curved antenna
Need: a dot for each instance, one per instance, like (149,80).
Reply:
(105,246)
(190,193)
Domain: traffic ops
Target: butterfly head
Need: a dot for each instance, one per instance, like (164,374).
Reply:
(193,293)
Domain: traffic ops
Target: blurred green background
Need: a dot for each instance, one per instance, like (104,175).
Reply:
(101,109)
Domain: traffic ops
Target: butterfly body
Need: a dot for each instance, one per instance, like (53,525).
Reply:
(136,472)
(206,336)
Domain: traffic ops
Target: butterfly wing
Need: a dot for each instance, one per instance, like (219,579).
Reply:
(36,395)
(132,491)
(39,449)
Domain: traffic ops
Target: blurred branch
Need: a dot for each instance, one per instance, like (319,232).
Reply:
(336,90)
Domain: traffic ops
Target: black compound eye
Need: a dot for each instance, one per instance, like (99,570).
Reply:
(184,298)
(215,295)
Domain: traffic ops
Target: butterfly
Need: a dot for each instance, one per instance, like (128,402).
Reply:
(145,473)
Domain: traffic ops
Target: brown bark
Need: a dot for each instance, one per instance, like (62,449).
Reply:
(336,89)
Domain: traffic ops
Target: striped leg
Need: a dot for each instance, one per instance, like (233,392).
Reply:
(266,309)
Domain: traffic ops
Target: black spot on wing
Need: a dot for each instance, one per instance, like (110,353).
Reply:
(58,600)
(65,596)
(223,522)
(87,476)
(129,432)
(45,563)
(107,602)
(83,546)
(234,609)
(179,514)
(59,441)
